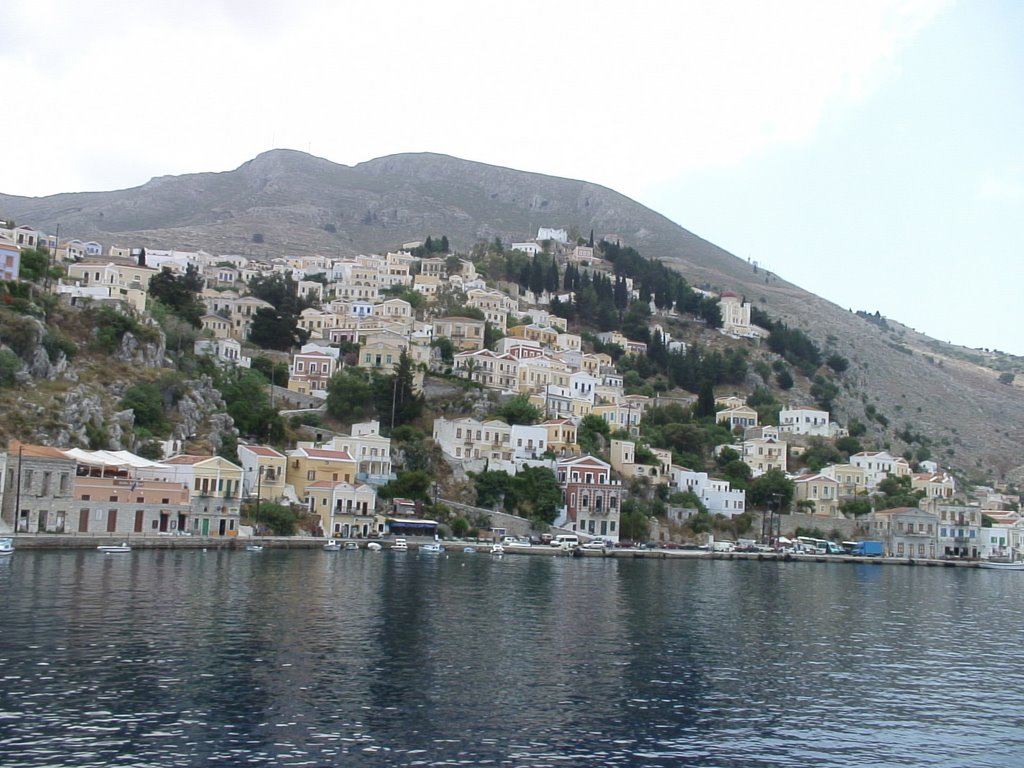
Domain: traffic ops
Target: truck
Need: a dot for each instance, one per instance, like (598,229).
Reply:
(868,549)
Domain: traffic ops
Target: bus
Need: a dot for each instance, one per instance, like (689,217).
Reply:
(819,546)
(811,546)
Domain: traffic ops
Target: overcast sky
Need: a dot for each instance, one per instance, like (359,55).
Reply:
(868,151)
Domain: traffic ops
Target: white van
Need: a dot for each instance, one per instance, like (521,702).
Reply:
(724,546)
(566,541)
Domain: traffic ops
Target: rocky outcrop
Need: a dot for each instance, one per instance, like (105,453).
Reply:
(86,422)
(202,412)
(149,354)
(26,337)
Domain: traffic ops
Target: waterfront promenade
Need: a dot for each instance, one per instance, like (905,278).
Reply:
(66,542)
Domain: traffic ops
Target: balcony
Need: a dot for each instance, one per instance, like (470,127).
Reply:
(372,479)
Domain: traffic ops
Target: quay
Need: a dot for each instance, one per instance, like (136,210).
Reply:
(44,541)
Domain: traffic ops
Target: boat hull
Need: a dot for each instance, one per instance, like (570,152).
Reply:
(1002,566)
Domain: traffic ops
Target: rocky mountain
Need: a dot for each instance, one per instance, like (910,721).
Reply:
(290,202)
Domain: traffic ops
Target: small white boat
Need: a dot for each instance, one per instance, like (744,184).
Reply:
(351,545)
(112,549)
(373,546)
(996,565)
(6,546)
(432,548)
(332,546)
(469,550)
(497,549)
(253,547)
(400,545)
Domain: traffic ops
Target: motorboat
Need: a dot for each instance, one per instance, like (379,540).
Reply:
(332,546)
(351,545)
(373,546)
(112,549)
(253,547)
(497,549)
(432,548)
(6,546)
(997,565)
(400,545)
(469,550)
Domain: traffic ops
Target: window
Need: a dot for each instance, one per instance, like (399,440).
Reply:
(311,474)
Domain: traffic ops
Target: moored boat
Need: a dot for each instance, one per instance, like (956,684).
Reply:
(351,545)
(432,548)
(373,546)
(6,546)
(332,546)
(254,548)
(996,565)
(400,545)
(497,549)
(112,549)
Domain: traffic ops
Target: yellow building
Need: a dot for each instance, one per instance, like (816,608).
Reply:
(466,333)
(561,436)
(852,479)
(311,465)
(344,509)
(215,486)
(822,491)
(545,336)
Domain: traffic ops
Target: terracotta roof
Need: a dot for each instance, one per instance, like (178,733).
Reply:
(898,510)
(326,454)
(187,459)
(261,450)
(36,451)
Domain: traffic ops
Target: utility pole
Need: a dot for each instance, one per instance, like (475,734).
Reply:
(17,502)
(259,488)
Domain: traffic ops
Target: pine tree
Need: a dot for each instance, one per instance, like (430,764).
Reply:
(552,281)
(706,399)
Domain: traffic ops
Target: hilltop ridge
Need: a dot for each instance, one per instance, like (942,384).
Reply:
(288,202)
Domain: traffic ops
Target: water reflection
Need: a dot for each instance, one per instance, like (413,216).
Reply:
(314,658)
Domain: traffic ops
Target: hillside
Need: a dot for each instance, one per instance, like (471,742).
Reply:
(297,203)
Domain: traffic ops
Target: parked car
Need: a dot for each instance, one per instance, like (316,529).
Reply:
(596,544)
(566,540)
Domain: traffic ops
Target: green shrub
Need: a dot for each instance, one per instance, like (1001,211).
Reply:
(55,342)
(10,364)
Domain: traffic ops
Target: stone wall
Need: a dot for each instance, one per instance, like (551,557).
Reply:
(513,525)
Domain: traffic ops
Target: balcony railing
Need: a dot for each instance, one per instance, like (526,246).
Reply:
(372,479)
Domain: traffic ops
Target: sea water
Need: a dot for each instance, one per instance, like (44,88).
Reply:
(312,658)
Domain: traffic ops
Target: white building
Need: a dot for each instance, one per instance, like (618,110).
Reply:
(718,495)
(878,465)
(371,451)
(804,421)
(550,233)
